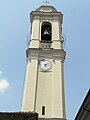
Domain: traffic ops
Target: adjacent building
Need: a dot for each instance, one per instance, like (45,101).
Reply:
(18,116)
(84,111)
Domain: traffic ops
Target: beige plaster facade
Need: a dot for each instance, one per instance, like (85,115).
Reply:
(44,89)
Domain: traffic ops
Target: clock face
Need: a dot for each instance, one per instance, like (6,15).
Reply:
(45,65)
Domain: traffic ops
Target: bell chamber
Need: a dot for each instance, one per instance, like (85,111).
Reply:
(46,35)
(46,32)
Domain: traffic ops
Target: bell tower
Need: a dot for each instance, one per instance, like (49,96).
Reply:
(44,81)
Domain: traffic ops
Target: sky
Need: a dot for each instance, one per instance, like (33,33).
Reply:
(14,32)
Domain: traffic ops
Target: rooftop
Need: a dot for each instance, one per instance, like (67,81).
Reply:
(84,111)
(18,116)
(46,9)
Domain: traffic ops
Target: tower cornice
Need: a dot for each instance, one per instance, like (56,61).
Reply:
(39,14)
(55,54)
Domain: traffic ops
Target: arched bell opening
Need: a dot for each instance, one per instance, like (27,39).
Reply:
(46,32)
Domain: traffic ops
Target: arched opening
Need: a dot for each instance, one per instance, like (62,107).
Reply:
(46,32)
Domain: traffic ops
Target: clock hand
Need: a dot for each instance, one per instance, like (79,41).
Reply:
(45,65)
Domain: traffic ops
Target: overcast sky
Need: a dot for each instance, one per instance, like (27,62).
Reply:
(14,30)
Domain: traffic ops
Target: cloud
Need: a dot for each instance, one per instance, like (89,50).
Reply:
(4,85)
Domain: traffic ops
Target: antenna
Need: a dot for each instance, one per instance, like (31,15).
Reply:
(46,2)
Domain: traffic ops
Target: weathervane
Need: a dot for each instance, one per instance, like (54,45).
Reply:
(46,2)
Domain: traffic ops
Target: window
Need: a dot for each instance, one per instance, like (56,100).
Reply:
(43,110)
(46,32)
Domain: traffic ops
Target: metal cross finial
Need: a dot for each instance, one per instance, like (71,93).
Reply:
(46,2)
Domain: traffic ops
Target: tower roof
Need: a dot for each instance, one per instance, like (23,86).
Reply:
(47,9)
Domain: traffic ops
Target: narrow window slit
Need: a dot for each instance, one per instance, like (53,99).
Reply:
(43,110)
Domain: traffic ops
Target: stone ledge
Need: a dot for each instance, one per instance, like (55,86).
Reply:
(34,53)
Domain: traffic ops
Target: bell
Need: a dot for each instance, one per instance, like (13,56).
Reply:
(46,32)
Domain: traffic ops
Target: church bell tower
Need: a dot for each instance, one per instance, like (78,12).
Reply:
(44,81)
